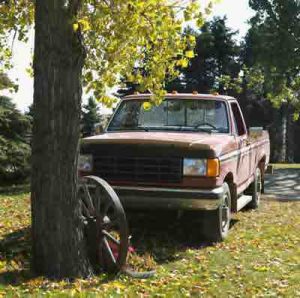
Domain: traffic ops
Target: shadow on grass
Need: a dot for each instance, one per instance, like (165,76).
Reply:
(14,189)
(163,235)
(283,185)
(15,252)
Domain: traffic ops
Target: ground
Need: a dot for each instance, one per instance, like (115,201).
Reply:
(260,258)
(284,184)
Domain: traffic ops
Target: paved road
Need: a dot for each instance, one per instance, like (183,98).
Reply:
(283,184)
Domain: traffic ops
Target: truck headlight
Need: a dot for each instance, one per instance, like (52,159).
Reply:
(85,163)
(201,167)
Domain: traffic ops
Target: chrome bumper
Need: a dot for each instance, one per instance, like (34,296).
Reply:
(168,198)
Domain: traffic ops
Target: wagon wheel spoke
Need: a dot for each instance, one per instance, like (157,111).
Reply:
(87,200)
(97,200)
(85,210)
(109,251)
(110,237)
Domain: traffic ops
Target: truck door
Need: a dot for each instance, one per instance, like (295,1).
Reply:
(243,157)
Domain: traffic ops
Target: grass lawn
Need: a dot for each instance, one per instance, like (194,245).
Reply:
(286,165)
(260,258)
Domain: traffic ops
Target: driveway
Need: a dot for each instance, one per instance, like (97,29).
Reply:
(283,184)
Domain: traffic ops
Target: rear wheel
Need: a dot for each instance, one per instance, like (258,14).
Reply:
(217,222)
(255,190)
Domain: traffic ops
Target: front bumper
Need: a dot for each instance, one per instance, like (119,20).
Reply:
(168,198)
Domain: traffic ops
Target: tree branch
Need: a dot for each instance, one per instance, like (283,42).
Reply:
(74,6)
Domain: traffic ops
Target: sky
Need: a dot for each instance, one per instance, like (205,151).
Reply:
(237,12)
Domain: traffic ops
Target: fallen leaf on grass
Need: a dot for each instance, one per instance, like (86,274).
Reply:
(261,268)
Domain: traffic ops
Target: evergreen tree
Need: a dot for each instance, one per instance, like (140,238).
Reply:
(216,55)
(6,83)
(90,117)
(14,147)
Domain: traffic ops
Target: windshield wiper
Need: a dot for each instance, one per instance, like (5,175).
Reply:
(145,128)
(208,130)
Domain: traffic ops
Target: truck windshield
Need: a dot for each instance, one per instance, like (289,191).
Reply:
(172,114)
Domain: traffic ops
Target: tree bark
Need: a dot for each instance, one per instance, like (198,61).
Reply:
(283,155)
(57,232)
(290,136)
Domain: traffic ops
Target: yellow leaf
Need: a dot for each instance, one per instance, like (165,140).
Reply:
(84,24)
(147,105)
(192,38)
(183,63)
(75,26)
(261,268)
(189,54)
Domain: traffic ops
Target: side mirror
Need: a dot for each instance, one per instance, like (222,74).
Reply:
(255,132)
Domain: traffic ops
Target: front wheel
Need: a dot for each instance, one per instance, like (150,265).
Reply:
(217,222)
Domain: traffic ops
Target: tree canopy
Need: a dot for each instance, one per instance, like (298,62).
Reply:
(118,36)
(273,45)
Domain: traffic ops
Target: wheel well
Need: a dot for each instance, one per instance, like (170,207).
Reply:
(261,165)
(229,180)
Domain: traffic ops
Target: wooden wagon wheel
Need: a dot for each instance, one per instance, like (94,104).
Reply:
(105,224)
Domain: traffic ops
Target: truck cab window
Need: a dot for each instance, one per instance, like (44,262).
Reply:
(178,114)
(238,120)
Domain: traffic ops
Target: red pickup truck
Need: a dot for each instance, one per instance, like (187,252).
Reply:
(192,152)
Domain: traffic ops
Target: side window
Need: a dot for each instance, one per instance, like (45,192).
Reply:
(238,120)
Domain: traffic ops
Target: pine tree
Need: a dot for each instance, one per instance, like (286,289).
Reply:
(14,148)
(90,117)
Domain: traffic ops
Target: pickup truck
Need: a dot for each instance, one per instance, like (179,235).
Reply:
(191,152)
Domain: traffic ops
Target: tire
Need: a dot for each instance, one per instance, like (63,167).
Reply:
(217,222)
(255,190)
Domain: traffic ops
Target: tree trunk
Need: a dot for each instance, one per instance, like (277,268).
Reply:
(57,232)
(283,151)
(290,136)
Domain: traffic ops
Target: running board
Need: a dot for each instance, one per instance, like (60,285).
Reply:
(243,201)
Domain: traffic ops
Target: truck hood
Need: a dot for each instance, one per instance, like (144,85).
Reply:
(219,143)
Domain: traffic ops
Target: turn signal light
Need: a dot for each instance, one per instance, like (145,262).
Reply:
(213,167)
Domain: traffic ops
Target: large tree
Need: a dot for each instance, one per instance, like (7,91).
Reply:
(99,41)
(273,46)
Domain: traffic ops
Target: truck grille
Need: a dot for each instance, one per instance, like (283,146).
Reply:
(139,169)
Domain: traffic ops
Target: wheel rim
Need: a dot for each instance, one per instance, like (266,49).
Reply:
(101,208)
(225,214)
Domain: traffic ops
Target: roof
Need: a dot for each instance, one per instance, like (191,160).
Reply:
(182,96)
